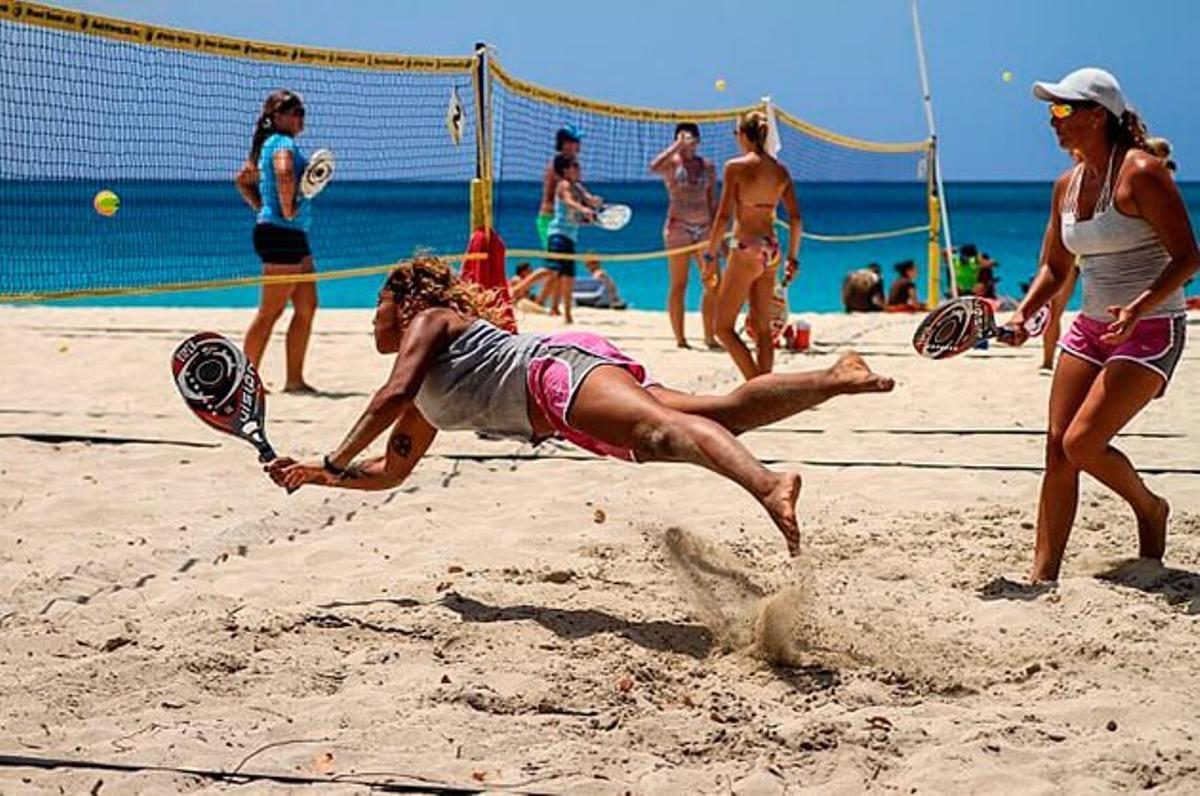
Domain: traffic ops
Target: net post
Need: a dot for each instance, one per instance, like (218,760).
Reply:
(935,219)
(481,186)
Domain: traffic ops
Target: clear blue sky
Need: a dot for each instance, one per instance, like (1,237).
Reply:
(848,65)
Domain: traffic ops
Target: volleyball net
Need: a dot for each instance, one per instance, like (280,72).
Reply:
(164,118)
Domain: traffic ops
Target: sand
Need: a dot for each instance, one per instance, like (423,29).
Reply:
(563,624)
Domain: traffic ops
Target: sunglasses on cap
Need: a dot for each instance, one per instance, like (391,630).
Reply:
(1062,110)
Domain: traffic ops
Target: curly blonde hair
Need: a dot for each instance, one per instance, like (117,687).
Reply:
(425,281)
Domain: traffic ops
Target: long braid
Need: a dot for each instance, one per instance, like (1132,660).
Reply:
(1128,131)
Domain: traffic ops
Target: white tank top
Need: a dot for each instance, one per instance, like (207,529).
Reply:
(1119,256)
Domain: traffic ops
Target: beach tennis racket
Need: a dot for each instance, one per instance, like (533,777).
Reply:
(222,388)
(317,173)
(613,217)
(959,325)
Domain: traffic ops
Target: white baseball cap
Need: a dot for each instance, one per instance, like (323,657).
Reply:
(1085,85)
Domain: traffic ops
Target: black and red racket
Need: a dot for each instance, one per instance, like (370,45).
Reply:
(959,325)
(222,388)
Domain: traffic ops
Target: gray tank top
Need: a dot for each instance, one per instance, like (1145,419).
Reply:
(478,383)
(1119,256)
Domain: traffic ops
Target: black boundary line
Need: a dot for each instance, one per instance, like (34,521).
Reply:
(835,463)
(97,439)
(243,777)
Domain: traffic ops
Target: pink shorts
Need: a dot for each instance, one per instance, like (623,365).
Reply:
(1157,344)
(557,372)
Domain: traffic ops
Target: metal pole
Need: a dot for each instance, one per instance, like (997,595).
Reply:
(481,186)
(935,166)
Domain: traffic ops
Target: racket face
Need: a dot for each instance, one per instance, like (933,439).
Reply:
(317,174)
(953,328)
(1037,324)
(614,217)
(222,388)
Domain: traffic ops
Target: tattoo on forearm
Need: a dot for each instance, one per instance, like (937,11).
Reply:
(402,445)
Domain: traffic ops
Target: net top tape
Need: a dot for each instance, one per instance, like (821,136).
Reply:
(642,114)
(45,16)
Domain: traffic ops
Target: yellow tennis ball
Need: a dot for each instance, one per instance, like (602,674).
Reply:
(720,84)
(106,203)
(1006,76)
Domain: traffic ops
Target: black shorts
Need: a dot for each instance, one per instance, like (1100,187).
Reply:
(563,244)
(280,245)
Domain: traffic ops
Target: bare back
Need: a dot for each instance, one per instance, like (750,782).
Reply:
(757,184)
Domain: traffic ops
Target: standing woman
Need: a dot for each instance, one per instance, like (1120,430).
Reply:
(754,184)
(269,181)
(1118,210)
(691,202)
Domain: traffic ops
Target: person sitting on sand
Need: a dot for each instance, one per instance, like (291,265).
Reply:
(1120,212)
(456,370)
(903,295)
(862,290)
(615,302)
(525,279)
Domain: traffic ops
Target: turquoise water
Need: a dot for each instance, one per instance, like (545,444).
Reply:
(174,231)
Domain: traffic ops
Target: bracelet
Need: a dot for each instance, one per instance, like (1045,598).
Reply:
(331,468)
(707,257)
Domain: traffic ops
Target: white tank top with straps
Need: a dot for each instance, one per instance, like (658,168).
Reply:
(1119,256)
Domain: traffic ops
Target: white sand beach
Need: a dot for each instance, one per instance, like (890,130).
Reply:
(558,623)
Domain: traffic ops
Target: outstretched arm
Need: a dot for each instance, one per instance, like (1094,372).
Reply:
(567,197)
(427,335)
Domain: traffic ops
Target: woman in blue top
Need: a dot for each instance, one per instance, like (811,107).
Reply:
(573,205)
(269,181)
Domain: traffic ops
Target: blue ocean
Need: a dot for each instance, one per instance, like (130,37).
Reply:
(172,232)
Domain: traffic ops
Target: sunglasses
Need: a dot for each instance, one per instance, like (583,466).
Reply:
(296,111)
(1063,110)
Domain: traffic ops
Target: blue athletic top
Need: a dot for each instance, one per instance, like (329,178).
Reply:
(566,220)
(270,212)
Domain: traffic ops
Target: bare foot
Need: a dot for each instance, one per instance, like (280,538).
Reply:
(780,503)
(852,375)
(682,344)
(1152,531)
(300,388)
(713,345)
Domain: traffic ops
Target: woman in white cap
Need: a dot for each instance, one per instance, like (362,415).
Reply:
(1118,210)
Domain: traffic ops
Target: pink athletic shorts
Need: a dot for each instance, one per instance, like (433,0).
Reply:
(1157,344)
(557,373)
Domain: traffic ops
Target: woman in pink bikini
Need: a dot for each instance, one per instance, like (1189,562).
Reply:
(1120,213)
(754,184)
(455,369)
(691,201)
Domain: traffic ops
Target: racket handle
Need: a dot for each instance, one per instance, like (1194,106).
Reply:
(266,455)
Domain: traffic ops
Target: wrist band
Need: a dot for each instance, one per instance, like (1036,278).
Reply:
(331,468)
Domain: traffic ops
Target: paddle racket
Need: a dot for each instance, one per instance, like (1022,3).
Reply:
(222,388)
(961,324)
(317,173)
(613,217)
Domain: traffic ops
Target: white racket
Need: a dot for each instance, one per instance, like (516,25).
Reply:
(613,217)
(317,174)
